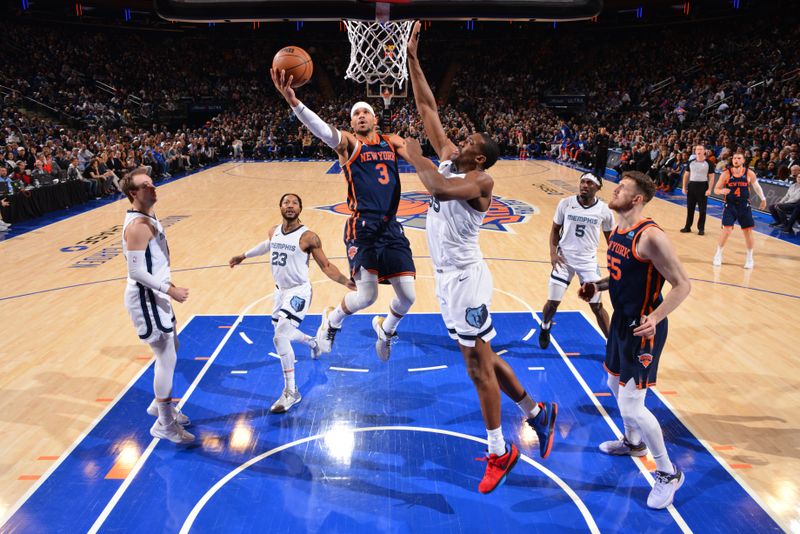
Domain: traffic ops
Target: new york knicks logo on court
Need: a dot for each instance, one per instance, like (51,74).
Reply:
(413,210)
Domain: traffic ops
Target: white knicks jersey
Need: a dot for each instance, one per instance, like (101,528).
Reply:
(289,262)
(157,252)
(452,228)
(580,228)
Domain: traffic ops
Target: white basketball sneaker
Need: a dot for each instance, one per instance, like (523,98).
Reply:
(384,344)
(285,401)
(326,333)
(171,431)
(315,349)
(182,419)
(664,490)
(717,259)
(623,447)
(748,263)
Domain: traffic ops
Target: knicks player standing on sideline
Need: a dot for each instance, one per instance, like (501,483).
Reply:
(377,249)
(735,183)
(640,258)
(573,250)
(461,193)
(147,299)
(290,245)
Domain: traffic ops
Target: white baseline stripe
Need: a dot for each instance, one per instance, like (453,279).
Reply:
(192,517)
(80,438)
(529,334)
(348,369)
(238,372)
(146,454)
(245,338)
(416,369)
(647,475)
(535,368)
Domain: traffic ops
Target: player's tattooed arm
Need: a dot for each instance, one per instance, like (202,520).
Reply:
(312,244)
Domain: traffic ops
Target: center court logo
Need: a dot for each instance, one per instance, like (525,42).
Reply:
(413,209)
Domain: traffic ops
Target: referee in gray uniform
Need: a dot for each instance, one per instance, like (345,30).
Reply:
(700,177)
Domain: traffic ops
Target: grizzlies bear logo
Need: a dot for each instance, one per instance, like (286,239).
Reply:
(475,317)
(297,303)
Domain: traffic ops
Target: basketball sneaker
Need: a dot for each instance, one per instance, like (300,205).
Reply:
(384,344)
(286,400)
(171,431)
(326,333)
(664,489)
(717,259)
(543,424)
(497,468)
(182,419)
(748,263)
(544,337)
(623,447)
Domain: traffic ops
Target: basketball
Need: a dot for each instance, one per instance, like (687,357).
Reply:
(296,62)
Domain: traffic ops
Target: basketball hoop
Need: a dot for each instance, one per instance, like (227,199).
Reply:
(378,51)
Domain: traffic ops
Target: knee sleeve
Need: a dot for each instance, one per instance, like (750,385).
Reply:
(631,402)
(287,330)
(166,357)
(613,384)
(405,294)
(366,292)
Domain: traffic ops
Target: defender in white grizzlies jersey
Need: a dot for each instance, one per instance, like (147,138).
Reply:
(290,245)
(574,238)
(461,192)
(147,299)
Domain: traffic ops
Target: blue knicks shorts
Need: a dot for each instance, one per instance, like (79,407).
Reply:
(629,356)
(380,247)
(740,212)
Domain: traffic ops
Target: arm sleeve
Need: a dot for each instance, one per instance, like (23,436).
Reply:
(322,130)
(258,250)
(137,271)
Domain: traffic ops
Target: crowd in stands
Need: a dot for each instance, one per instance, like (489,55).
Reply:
(84,104)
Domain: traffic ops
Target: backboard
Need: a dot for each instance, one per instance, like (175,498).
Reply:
(276,10)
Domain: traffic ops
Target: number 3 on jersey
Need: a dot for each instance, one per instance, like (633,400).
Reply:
(384,179)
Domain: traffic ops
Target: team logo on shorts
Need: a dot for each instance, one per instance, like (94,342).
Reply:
(297,303)
(475,317)
(413,210)
(351,252)
(646,359)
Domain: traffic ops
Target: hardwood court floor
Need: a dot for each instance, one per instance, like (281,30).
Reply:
(68,348)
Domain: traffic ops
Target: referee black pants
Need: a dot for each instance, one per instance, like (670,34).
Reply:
(696,197)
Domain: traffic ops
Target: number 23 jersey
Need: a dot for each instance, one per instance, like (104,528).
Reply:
(289,262)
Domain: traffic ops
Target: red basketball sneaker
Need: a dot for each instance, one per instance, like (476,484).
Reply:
(497,467)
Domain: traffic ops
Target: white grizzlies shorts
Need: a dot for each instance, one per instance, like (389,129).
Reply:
(151,313)
(292,303)
(465,296)
(562,275)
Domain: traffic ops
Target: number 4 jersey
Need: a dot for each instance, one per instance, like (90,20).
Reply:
(580,229)
(289,262)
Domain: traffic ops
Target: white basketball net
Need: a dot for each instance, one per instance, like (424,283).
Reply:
(378,51)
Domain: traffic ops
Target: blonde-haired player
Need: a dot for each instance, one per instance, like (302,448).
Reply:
(147,299)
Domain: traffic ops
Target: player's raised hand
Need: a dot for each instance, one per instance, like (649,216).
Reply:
(413,42)
(587,291)
(284,86)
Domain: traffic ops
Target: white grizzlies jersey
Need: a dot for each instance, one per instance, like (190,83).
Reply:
(452,228)
(289,262)
(157,252)
(580,229)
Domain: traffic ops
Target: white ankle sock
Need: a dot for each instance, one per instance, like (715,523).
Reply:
(390,323)
(528,406)
(165,415)
(336,317)
(497,445)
